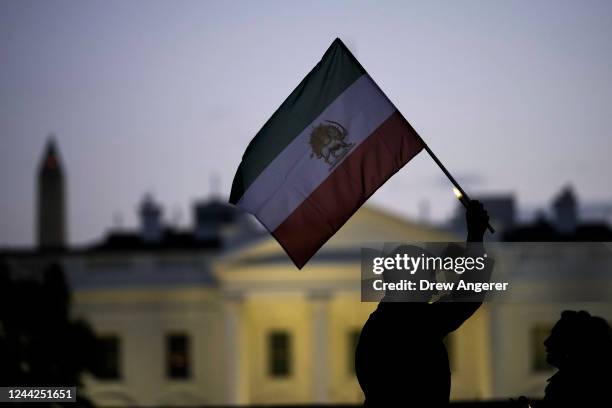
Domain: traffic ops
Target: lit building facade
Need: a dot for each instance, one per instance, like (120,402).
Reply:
(219,315)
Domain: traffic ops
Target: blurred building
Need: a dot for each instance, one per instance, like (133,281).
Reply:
(565,207)
(564,223)
(501,209)
(217,314)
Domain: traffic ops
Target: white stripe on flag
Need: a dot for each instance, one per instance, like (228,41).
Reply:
(293,175)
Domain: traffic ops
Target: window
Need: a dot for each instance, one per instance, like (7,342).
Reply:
(352,340)
(539,333)
(110,354)
(178,362)
(279,354)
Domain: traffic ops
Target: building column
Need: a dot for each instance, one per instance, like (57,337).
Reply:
(236,365)
(320,342)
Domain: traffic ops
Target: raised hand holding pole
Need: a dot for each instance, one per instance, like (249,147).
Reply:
(459,192)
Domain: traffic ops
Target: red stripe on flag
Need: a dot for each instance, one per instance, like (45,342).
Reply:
(327,208)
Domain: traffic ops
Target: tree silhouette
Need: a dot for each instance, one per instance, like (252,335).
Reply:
(40,345)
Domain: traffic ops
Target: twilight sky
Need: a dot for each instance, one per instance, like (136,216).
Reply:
(162,97)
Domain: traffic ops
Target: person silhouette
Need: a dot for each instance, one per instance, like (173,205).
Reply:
(580,347)
(400,359)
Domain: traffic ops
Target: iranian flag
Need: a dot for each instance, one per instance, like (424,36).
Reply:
(332,143)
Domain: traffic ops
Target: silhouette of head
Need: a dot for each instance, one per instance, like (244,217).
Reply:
(395,276)
(578,339)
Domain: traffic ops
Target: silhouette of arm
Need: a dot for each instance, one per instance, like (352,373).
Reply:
(455,308)
(451,311)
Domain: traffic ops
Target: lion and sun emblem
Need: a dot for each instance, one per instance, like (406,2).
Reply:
(329,141)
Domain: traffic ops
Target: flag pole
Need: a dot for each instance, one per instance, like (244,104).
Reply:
(465,199)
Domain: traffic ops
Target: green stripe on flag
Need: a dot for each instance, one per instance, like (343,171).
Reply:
(336,71)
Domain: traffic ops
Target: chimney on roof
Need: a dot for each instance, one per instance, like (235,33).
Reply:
(209,217)
(565,208)
(150,220)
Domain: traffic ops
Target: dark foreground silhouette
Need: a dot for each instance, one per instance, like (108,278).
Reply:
(401,359)
(41,345)
(580,346)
